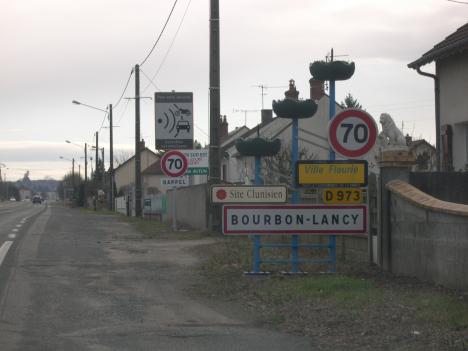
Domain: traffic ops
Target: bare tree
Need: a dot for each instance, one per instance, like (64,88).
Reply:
(122,155)
(277,169)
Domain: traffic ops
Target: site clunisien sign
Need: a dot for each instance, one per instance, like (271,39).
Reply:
(326,173)
(249,194)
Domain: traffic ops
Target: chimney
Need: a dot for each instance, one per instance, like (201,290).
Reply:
(292,92)
(267,116)
(316,89)
(222,128)
(142,145)
(409,139)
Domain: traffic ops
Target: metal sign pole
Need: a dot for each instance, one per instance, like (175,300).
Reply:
(295,194)
(257,238)
(174,207)
(332,238)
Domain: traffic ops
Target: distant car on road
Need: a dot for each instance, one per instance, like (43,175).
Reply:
(36,199)
(12,199)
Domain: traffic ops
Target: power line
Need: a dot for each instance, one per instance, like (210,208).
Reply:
(125,89)
(123,112)
(170,46)
(459,2)
(160,34)
(150,80)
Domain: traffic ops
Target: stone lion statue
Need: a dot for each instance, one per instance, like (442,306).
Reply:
(391,136)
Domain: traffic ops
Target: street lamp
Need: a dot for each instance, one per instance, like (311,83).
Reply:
(111,150)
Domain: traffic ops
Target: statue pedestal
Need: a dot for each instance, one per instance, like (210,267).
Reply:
(396,158)
(394,164)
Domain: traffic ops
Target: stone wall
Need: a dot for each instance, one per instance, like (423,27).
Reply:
(428,237)
(191,206)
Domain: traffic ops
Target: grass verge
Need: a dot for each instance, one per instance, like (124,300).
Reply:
(358,309)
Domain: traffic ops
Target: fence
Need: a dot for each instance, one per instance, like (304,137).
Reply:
(154,206)
(121,205)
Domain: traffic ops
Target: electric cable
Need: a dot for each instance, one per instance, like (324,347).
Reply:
(124,90)
(150,80)
(160,34)
(170,46)
(123,112)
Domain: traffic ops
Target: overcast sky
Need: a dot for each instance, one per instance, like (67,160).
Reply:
(55,51)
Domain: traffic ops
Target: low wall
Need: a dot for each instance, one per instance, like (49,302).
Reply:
(428,237)
(191,206)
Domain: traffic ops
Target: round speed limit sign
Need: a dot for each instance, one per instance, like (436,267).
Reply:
(174,163)
(352,133)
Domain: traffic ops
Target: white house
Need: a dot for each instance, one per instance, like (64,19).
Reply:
(313,140)
(124,174)
(451,88)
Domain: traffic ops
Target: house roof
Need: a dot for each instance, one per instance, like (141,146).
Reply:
(232,140)
(415,143)
(131,158)
(153,169)
(453,44)
(234,135)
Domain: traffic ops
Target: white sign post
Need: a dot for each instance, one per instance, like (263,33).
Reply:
(174,164)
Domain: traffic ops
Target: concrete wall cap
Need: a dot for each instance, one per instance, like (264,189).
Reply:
(421,199)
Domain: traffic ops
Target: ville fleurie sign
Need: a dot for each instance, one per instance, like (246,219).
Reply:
(294,219)
(249,194)
(331,173)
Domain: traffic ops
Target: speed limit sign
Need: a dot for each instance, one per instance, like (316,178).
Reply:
(352,133)
(174,163)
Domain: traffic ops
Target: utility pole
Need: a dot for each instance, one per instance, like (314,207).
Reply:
(102,168)
(97,156)
(214,155)
(73,175)
(214,92)
(85,162)
(85,174)
(137,144)
(111,160)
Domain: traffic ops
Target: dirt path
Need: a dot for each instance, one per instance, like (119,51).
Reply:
(159,272)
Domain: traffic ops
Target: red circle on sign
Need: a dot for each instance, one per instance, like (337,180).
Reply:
(166,163)
(338,120)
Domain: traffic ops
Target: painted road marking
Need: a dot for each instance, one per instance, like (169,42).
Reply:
(14,230)
(4,250)
(11,236)
(18,225)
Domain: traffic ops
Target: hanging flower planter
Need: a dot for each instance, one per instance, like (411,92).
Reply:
(332,70)
(289,108)
(258,147)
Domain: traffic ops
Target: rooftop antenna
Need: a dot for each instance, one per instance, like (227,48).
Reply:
(245,113)
(328,58)
(265,87)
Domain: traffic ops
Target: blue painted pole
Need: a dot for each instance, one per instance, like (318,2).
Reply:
(257,239)
(332,238)
(295,194)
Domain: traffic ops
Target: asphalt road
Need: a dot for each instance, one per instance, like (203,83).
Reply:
(71,280)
